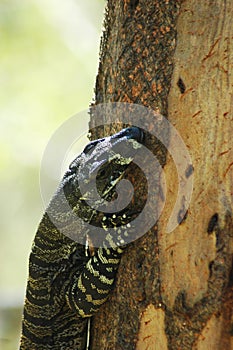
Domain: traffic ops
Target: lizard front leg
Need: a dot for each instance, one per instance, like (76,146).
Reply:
(89,290)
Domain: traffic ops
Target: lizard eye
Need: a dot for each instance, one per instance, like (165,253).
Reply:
(90,146)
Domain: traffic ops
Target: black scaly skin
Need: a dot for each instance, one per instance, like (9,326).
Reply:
(65,286)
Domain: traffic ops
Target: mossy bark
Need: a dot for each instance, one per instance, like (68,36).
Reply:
(174,291)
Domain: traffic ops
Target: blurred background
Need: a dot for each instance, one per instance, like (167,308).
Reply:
(48,63)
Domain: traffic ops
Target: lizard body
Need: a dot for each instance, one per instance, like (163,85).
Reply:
(65,286)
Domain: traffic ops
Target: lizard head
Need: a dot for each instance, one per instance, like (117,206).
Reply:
(119,148)
(103,163)
(95,189)
(105,160)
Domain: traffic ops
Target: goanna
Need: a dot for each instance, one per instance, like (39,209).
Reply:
(65,286)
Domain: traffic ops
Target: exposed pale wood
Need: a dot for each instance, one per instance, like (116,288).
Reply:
(211,336)
(152,334)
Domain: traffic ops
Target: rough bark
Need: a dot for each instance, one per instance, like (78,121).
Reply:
(175,57)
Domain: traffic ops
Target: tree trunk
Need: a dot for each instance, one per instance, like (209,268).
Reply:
(175,290)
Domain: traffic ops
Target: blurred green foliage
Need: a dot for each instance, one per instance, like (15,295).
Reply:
(48,63)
